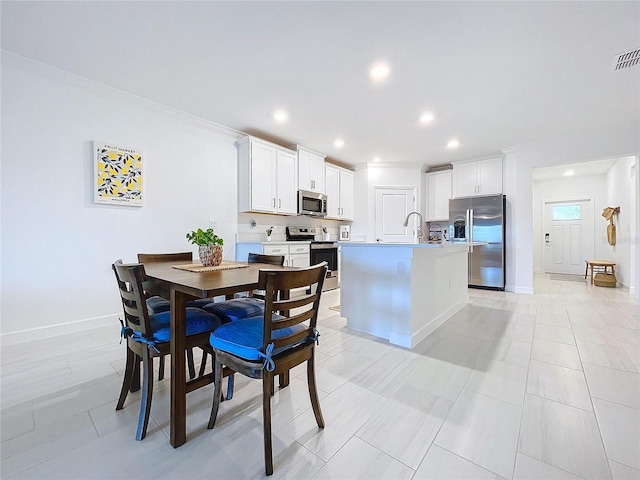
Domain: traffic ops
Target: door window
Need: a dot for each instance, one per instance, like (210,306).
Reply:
(567,212)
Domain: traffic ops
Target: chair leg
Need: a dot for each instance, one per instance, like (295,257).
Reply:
(267,387)
(161,368)
(203,363)
(217,388)
(147,395)
(313,391)
(230,382)
(191,365)
(129,369)
(283,379)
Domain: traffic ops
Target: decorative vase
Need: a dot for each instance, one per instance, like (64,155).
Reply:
(268,238)
(210,255)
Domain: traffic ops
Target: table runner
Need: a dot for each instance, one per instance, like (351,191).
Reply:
(193,267)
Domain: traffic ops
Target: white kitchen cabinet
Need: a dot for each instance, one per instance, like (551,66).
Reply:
(438,195)
(478,177)
(310,170)
(295,254)
(267,177)
(339,182)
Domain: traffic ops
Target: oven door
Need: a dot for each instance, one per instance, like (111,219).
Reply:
(329,254)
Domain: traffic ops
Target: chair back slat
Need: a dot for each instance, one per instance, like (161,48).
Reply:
(292,320)
(275,281)
(288,304)
(165,257)
(130,279)
(262,258)
(292,339)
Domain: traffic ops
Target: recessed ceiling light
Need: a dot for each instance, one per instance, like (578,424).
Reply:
(379,71)
(568,173)
(453,144)
(280,116)
(426,117)
(339,143)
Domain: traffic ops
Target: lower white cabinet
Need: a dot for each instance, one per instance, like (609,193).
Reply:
(296,254)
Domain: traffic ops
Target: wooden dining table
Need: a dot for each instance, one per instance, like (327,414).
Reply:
(179,286)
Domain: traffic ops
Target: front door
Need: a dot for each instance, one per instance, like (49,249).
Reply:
(568,236)
(393,204)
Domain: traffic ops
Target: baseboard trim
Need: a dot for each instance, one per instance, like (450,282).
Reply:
(39,333)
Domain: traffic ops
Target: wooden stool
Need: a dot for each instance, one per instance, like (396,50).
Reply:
(599,266)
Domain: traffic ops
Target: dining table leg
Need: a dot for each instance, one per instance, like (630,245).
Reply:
(178,419)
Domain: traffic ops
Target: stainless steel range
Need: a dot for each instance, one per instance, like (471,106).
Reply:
(320,251)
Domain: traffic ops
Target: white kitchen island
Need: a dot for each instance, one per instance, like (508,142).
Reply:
(402,292)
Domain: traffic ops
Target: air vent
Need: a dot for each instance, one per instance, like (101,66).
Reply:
(627,60)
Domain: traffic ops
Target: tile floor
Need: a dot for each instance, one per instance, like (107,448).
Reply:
(542,386)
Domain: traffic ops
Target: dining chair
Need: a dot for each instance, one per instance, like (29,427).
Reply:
(157,304)
(271,344)
(242,307)
(148,335)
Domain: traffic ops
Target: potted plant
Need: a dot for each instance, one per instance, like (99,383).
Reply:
(269,232)
(209,246)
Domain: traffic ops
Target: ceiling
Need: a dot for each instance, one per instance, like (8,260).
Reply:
(495,74)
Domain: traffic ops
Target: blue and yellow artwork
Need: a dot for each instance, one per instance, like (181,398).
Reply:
(118,178)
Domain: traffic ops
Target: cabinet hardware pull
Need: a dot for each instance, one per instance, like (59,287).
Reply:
(274,203)
(279,203)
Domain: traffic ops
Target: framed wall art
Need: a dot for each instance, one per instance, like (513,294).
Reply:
(118,175)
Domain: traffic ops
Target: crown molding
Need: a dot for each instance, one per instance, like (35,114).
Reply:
(55,74)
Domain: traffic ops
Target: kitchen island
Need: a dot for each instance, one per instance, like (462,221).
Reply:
(402,292)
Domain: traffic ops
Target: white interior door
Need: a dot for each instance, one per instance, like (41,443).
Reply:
(568,236)
(392,207)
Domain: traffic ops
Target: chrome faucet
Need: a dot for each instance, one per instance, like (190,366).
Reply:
(406,222)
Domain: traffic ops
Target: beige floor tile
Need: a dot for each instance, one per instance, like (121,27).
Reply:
(406,425)
(444,465)
(528,468)
(620,427)
(556,353)
(554,334)
(565,437)
(345,411)
(359,460)
(603,336)
(475,419)
(606,356)
(559,384)
(623,472)
(613,385)
(500,380)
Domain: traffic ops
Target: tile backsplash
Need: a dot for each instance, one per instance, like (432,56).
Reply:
(253,227)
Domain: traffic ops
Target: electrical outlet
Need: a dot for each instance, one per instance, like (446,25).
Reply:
(213,224)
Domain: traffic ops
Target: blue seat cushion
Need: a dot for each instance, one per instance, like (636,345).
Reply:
(243,338)
(236,309)
(198,321)
(158,304)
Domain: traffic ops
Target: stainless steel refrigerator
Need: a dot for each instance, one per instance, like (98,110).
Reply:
(479,221)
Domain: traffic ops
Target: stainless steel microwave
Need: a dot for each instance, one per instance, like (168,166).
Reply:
(312,203)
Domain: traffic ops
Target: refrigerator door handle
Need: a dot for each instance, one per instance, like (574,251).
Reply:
(471,229)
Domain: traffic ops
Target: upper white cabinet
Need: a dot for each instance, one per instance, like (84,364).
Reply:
(339,183)
(478,177)
(310,170)
(438,195)
(267,177)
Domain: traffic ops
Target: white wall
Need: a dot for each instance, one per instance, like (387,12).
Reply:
(591,186)
(57,245)
(621,192)
(519,163)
